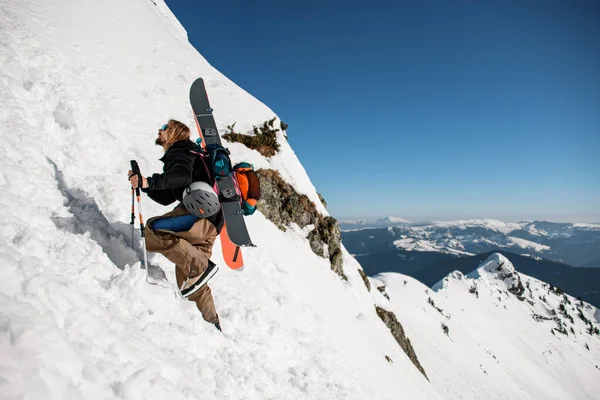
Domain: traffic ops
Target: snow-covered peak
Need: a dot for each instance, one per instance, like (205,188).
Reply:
(497,270)
(492,224)
(494,265)
(494,343)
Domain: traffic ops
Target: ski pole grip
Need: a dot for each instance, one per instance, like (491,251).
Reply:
(135,168)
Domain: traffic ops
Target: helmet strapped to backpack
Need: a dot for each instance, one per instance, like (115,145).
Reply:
(201,200)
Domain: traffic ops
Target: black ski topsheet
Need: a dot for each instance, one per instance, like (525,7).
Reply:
(232,211)
(203,113)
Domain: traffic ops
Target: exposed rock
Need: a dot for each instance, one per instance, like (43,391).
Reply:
(282,205)
(365,279)
(498,268)
(322,200)
(538,317)
(390,320)
(509,274)
(445,329)
(473,290)
(326,241)
(383,292)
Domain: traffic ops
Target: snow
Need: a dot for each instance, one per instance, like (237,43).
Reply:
(532,256)
(473,236)
(497,269)
(397,220)
(412,244)
(347,225)
(527,244)
(503,227)
(84,86)
(588,225)
(494,348)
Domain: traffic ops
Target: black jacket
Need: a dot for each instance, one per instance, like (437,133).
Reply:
(181,167)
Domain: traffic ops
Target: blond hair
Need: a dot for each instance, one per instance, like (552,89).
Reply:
(176,131)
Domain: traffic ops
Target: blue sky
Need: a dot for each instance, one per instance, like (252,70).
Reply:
(424,109)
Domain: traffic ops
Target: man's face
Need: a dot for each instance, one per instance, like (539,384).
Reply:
(162,136)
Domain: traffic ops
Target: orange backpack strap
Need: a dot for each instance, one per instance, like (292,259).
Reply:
(253,185)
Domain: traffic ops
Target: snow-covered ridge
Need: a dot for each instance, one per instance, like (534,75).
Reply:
(412,244)
(497,333)
(533,227)
(500,270)
(492,224)
(372,223)
(170,17)
(528,244)
(573,244)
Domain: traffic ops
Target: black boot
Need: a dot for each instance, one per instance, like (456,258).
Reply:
(218,324)
(191,286)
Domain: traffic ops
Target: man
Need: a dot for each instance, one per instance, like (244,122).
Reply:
(185,237)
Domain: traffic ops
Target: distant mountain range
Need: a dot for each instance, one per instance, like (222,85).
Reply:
(557,253)
(570,243)
(372,223)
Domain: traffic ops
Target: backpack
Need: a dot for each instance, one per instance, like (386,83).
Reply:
(249,185)
(217,163)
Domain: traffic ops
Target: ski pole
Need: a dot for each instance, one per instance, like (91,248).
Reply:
(136,170)
(132,223)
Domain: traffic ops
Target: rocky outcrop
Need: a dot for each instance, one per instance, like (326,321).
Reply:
(390,320)
(282,205)
(365,279)
(322,200)
(506,272)
(500,270)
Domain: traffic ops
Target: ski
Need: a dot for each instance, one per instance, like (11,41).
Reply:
(232,253)
(205,121)
(234,233)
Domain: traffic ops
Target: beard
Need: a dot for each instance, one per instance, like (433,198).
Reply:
(158,141)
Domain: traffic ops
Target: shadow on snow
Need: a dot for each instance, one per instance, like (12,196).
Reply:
(115,239)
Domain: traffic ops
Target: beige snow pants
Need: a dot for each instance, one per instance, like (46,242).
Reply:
(189,251)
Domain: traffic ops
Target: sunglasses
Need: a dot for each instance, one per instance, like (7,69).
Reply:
(164,127)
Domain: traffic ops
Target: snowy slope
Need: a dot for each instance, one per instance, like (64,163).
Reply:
(448,246)
(528,244)
(498,346)
(84,86)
